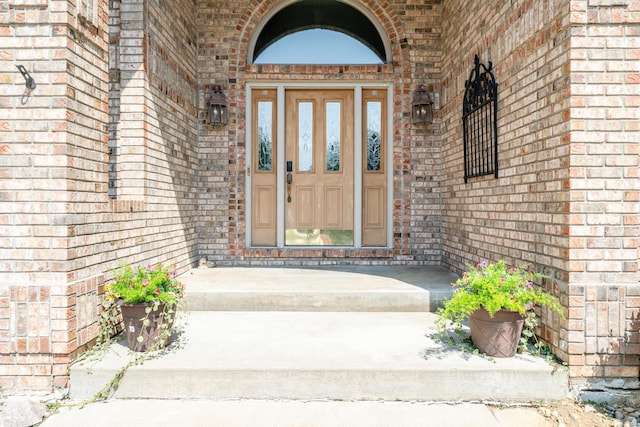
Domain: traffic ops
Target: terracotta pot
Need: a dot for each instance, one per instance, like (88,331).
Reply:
(133,316)
(496,336)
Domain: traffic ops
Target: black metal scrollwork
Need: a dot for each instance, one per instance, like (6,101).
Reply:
(480,118)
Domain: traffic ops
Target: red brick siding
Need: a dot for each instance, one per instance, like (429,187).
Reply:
(522,216)
(61,234)
(567,197)
(38,165)
(605,209)
(414,32)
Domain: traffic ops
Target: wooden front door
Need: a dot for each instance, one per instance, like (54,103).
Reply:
(319,168)
(303,165)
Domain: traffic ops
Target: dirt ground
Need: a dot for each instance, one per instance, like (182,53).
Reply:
(569,413)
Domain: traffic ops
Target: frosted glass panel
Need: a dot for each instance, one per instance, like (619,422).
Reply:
(305,137)
(374,119)
(265,136)
(333,136)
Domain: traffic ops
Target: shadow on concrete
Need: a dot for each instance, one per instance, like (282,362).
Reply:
(425,277)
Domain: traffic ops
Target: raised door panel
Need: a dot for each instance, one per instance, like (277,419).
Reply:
(333,212)
(264,199)
(305,207)
(373,207)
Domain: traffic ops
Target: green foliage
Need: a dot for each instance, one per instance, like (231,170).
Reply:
(149,284)
(495,287)
(156,286)
(110,323)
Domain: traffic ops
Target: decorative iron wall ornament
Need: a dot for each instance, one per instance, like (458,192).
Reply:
(480,122)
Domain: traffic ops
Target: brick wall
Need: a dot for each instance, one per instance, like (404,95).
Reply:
(61,232)
(522,216)
(37,149)
(225,31)
(566,200)
(603,338)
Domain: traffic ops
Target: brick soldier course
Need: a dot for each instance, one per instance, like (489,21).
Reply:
(110,159)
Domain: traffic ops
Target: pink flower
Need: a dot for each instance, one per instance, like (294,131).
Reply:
(145,283)
(157,292)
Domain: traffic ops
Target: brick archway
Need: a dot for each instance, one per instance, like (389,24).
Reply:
(397,71)
(258,12)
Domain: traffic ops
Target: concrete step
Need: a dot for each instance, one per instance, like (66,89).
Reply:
(319,355)
(355,289)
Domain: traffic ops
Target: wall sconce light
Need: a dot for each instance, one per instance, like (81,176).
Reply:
(421,107)
(217,108)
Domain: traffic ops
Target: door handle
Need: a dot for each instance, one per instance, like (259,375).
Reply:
(289,179)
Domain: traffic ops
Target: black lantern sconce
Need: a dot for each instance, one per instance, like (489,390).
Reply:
(421,107)
(217,108)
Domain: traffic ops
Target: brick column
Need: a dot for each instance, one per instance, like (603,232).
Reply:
(603,339)
(52,167)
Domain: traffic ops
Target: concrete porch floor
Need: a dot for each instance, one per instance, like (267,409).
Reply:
(306,334)
(335,288)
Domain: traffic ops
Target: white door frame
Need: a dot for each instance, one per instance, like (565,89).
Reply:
(357,149)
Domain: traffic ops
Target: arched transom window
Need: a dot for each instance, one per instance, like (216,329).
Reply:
(319,32)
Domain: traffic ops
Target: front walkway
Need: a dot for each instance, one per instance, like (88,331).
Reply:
(255,413)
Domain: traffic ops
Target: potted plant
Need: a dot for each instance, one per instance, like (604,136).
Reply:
(495,298)
(148,298)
